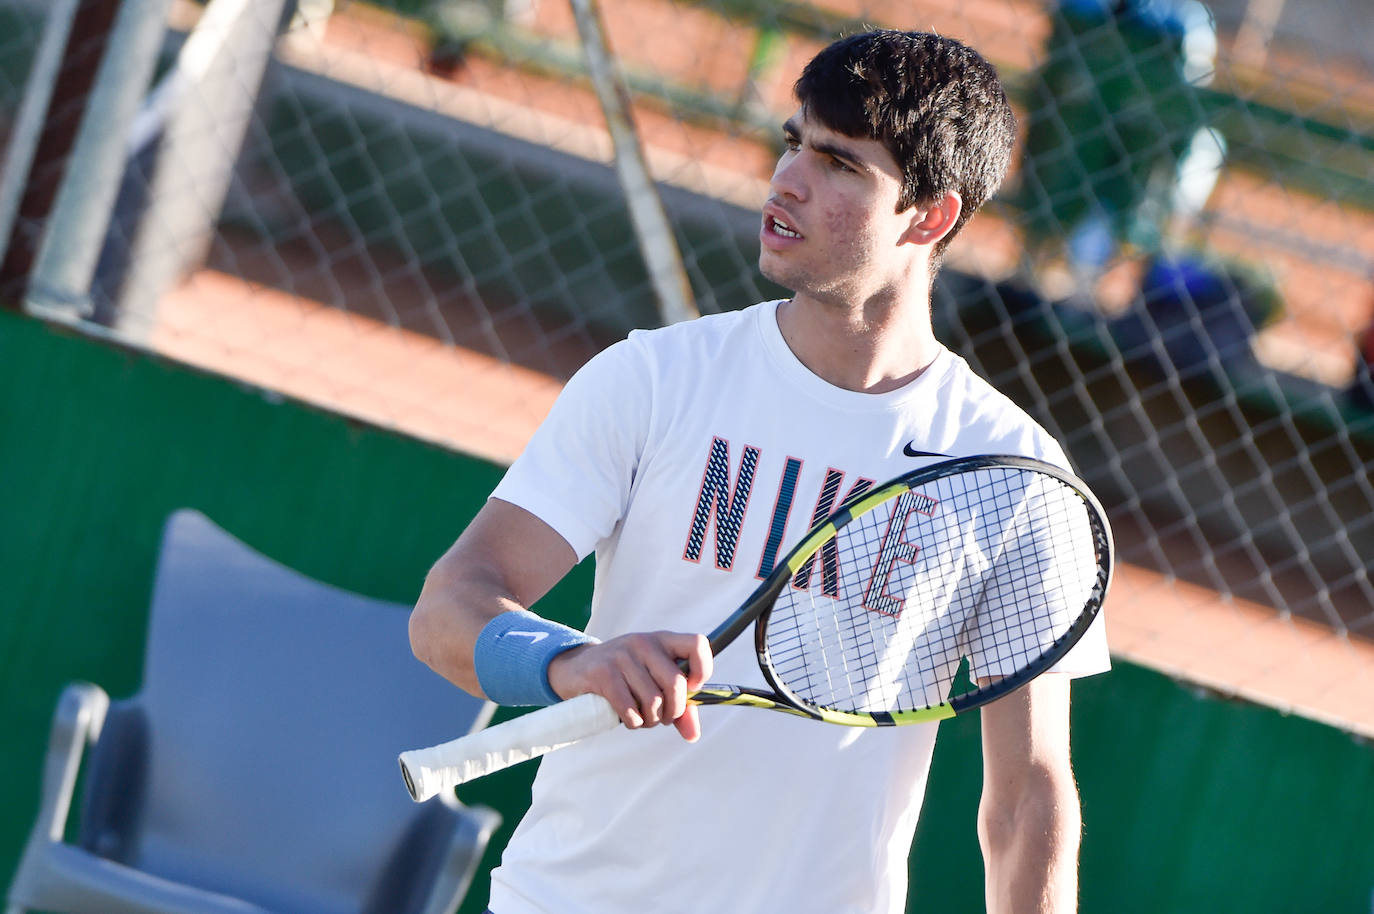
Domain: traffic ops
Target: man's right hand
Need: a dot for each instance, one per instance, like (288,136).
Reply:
(639,675)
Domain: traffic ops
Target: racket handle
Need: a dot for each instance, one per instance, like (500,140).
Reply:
(429,772)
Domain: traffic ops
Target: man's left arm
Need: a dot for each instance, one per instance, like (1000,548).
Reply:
(1029,819)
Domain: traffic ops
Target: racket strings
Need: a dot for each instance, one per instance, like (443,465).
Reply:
(1040,583)
(993,564)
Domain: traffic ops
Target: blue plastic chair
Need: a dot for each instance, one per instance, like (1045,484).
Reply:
(255,770)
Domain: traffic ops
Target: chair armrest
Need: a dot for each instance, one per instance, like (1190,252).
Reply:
(55,876)
(76,723)
(467,843)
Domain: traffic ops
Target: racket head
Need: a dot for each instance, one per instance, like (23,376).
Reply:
(1003,560)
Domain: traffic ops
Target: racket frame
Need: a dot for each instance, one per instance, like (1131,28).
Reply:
(757,607)
(441,768)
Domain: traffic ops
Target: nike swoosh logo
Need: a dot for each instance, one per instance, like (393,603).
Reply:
(912,452)
(535,637)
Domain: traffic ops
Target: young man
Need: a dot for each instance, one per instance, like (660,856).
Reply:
(673,454)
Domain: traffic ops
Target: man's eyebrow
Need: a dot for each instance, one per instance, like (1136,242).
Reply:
(792,130)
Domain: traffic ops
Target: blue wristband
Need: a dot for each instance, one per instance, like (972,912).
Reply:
(512,656)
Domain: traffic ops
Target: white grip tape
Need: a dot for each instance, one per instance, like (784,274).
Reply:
(429,772)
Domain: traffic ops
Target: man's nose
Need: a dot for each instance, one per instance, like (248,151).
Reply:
(789,177)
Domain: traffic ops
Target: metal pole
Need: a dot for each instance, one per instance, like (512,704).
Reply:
(1257,31)
(61,282)
(207,103)
(33,111)
(654,232)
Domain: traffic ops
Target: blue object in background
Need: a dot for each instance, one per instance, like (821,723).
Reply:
(1201,313)
(1112,114)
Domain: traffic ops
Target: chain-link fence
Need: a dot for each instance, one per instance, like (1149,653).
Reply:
(411,212)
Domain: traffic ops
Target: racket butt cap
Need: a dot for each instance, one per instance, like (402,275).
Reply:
(415,786)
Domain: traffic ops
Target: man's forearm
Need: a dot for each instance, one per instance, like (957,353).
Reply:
(445,623)
(1031,854)
(505,560)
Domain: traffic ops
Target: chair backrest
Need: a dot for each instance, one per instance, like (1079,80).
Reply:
(275,707)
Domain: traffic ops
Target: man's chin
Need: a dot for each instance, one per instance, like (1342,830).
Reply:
(775,273)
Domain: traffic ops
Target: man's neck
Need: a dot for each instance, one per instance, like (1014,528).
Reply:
(870,347)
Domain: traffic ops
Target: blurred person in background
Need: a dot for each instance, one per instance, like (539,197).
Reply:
(1117,146)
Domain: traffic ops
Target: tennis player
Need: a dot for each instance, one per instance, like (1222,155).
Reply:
(686,459)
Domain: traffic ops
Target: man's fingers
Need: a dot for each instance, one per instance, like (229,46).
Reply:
(625,704)
(700,663)
(689,724)
(670,682)
(648,693)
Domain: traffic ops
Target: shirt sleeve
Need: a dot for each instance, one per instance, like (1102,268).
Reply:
(576,472)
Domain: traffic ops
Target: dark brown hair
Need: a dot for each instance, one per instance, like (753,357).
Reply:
(933,102)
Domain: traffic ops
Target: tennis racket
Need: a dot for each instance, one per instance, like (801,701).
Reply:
(938,592)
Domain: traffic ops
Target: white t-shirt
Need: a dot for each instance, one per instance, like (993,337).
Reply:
(689,459)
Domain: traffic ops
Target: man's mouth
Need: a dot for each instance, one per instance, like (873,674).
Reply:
(782,228)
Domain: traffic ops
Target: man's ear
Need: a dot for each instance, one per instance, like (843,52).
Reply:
(932,221)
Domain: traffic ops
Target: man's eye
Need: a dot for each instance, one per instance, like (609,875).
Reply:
(792,143)
(839,165)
